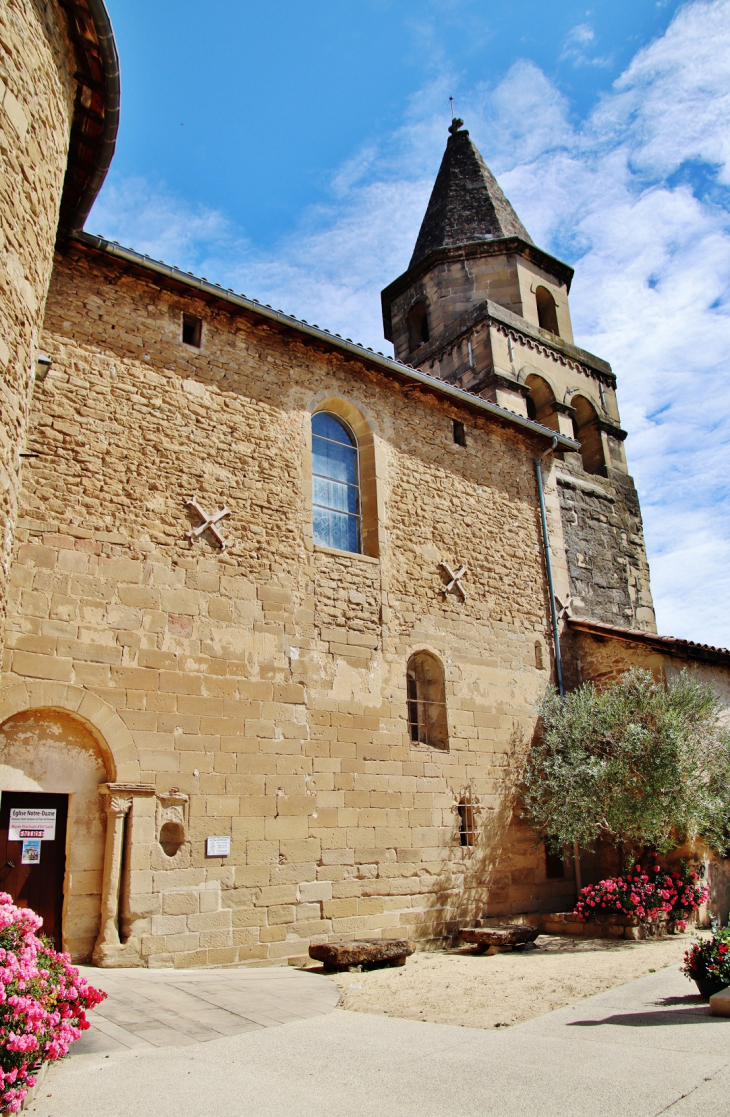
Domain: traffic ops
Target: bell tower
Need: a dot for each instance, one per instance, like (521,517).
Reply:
(483,307)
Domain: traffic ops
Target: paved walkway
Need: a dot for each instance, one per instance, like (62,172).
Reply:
(175,1008)
(641,1050)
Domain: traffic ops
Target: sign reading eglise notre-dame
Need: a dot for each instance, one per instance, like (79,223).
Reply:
(32,823)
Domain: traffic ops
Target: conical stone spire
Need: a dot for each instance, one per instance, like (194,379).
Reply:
(466,205)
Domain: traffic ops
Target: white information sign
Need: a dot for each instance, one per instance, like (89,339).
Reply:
(32,823)
(218,847)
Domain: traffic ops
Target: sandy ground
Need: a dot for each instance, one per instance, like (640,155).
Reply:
(477,991)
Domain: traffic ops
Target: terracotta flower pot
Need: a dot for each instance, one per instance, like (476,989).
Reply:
(707,986)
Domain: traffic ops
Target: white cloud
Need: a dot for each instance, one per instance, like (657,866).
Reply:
(577,45)
(615,196)
(157,222)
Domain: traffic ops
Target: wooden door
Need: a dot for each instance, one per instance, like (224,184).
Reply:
(40,885)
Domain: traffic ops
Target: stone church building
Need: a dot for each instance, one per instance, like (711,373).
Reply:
(278,609)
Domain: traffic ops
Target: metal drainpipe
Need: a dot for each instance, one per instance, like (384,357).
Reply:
(548,564)
(553,612)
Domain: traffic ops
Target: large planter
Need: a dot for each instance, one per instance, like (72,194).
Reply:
(708,986)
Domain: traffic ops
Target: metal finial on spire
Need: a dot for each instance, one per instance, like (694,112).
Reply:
(456,121)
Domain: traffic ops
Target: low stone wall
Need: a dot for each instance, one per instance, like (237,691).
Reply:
(612,927)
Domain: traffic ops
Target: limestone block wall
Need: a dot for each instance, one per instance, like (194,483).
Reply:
(36,102)
(264,686)
(453,287)
(605,549)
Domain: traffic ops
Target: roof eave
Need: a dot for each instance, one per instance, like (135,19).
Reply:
(96,111)
(379,361)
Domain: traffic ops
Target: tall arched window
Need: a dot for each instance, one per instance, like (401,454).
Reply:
(546,312)
(335,484)
(587,432)
(427,723)
(417,326)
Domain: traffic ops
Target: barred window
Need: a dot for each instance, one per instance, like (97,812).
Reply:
(426,692)
(335,484)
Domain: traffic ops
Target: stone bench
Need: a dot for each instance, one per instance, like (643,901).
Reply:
(366,953)
(506,936)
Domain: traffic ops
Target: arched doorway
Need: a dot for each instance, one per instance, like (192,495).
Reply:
(51,766)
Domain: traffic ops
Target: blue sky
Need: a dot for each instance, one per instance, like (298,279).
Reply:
(288,150)
(253,108)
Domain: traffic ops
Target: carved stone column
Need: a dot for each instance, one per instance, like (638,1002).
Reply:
(108,941)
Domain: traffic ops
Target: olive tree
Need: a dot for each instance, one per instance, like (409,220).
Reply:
(640,763)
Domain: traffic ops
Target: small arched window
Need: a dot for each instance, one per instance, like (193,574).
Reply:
(587,432)
(335,484)
(427,723)
(417,326)
(546,313)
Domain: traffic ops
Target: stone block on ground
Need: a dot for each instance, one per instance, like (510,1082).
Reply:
(720,1003)
(505,936)
(362,952)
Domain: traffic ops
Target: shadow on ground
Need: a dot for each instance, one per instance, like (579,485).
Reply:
(691,1009)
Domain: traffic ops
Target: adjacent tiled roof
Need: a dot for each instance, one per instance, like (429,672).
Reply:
(466,205)
(671,645)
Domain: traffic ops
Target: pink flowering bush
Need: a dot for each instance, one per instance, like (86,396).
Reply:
(645,894)
(43,1003)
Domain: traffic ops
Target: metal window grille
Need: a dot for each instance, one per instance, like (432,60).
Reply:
(467,808)
(426,718)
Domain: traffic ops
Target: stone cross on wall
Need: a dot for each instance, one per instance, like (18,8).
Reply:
(208,523)
(455,577)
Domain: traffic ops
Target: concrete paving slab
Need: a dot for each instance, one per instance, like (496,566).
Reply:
(644,1049)
(165,1008)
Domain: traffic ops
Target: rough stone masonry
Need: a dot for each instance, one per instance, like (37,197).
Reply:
(263,694)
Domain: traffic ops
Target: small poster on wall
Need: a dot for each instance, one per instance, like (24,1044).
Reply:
(31,853)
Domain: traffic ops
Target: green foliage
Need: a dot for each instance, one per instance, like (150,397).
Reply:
(638,763)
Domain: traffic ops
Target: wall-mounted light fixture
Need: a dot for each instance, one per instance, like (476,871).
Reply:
(42,367)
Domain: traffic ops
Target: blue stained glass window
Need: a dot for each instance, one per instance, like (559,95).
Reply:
(335,484)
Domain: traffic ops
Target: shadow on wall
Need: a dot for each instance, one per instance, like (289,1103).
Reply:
(464,887)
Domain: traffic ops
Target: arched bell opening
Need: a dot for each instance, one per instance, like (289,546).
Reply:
(418,332)
(541,402)
(547,314)
(587,431)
